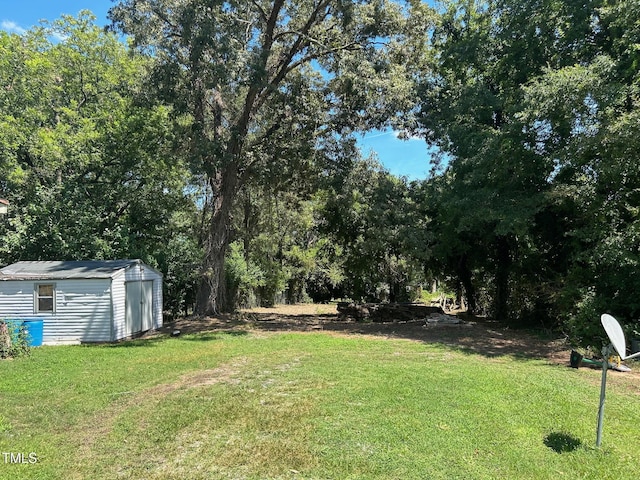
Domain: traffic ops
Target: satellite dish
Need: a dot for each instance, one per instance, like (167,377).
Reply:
(616,335)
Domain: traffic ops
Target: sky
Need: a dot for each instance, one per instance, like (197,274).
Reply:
(409,158)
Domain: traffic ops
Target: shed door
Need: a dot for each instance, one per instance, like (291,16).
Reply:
(139,306)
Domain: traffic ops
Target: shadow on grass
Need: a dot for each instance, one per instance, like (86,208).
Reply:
(474,336)
(562,442)
(219,335)
(191,336)
(139,342)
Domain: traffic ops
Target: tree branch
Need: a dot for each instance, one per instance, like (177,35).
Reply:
(235,142)
(263,15)
(317,55)
(282,68)
(158,13)
(297,44)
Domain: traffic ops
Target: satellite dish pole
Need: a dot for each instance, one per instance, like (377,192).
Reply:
(606,352)
(619,345)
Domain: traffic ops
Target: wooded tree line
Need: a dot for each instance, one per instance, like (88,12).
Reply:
(219,146)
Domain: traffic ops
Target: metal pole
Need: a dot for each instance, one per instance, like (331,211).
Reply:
(603,388)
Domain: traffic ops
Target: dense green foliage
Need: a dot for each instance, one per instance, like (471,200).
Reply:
(86,162)
(220,149)
(536,105)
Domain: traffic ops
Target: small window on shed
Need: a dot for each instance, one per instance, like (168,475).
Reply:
(45,296)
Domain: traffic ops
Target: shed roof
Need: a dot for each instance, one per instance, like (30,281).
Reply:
(60,270)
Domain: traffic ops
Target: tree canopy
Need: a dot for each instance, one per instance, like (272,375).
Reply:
(536,104)
(217,143)
(261,83)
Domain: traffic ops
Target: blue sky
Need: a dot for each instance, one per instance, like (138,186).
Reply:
(408,158)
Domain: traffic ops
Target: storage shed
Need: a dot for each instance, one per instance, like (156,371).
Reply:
(83,301)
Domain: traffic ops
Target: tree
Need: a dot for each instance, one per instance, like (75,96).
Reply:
(367,214)
(496,189)
(251,77)
(87,166)
(585,116)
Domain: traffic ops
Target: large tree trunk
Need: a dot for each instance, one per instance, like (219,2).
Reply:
(212,298)
(503,267)
(464,275)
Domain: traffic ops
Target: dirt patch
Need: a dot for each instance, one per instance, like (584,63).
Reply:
(224,373)
(320,309)
(475,335)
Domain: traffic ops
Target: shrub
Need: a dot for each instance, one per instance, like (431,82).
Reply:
(12,343)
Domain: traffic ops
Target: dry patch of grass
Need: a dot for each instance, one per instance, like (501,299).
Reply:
(102,423)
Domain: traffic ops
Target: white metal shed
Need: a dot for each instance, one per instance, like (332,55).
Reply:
(83,301)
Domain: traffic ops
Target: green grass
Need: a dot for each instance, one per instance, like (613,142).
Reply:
(308,406)
(427,296)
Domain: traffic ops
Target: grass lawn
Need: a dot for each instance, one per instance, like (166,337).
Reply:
(307,406)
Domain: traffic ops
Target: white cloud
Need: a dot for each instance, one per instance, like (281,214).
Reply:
(58,37)
(12,27)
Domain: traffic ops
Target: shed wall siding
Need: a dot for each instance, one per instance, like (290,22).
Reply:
(16,299)
(157,303)
(118,296)
(82,309)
